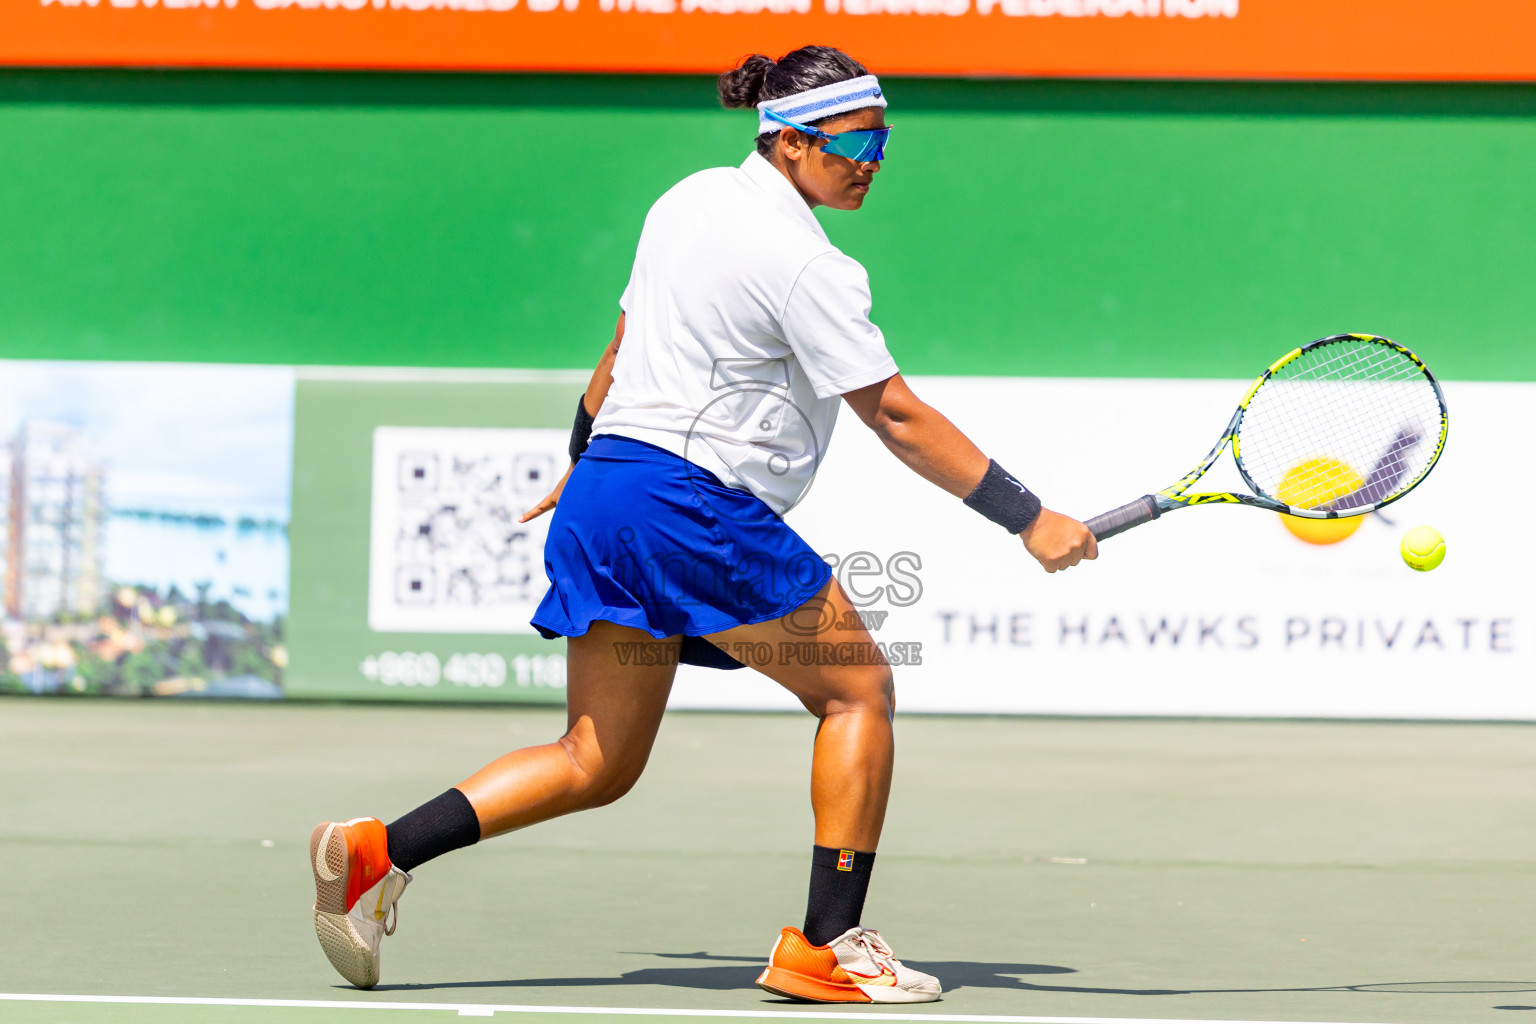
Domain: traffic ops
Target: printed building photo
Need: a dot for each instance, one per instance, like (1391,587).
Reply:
(145,529)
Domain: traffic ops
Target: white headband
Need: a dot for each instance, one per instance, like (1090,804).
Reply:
(824,101)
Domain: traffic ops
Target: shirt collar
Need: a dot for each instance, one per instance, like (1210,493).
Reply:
(784,195)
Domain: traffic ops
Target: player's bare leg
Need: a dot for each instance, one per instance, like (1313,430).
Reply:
(855,747)
(613,711)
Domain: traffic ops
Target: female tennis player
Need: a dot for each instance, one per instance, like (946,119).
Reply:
(742,330)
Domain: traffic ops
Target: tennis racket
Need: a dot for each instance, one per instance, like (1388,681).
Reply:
(1337,428)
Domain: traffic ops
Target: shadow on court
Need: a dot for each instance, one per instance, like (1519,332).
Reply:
(730,973)
(740,972)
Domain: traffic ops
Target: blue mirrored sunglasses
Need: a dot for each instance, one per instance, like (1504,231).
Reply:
(860,147)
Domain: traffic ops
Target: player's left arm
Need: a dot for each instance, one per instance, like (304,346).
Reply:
(935,449)
(602,377)
(592,401)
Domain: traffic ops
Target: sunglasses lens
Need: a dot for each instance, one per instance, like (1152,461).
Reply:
(860,147)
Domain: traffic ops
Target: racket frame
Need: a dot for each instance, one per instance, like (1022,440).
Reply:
(1152,506)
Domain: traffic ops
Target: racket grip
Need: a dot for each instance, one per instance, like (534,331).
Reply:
(1143,510)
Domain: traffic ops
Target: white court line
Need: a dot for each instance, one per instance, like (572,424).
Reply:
(489,1009)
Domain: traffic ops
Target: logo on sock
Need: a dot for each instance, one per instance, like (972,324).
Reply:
(845,860)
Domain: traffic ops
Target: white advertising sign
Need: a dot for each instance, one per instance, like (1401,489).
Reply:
(1209,611)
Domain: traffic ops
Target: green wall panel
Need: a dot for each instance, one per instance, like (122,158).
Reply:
(1018,228)
(329,637)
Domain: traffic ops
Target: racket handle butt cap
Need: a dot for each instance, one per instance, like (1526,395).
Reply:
(1143,510)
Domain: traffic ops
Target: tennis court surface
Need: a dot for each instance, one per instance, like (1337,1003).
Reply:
(155,853)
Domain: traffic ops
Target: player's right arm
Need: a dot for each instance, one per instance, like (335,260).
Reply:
(935,449)
(592,401)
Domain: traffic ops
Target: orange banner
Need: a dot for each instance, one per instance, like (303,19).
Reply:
(1305,39)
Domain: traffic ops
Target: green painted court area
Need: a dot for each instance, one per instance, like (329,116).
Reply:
(1043,869)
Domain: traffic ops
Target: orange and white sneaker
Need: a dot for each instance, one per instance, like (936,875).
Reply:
(855,967)
(356,887)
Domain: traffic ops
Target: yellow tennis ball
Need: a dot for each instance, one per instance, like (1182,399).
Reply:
(1423,548)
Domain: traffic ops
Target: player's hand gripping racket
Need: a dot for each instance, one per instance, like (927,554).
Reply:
(1336,428)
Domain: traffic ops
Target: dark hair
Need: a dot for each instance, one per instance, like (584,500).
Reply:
(758,78)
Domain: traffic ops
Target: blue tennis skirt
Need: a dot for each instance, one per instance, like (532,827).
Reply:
(644,538)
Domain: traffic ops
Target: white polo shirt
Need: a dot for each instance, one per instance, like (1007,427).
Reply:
(743,325)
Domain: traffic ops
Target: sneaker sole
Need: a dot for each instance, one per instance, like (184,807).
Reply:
(900,995)
(343,947)
(794,985)
(347,952)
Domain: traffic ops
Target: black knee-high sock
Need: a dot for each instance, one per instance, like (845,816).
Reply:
(839,880)
(441,824)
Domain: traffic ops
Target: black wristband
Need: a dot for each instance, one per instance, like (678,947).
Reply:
(1004,500)
(581,430)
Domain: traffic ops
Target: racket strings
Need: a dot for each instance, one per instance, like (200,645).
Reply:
(1335,404)
(1342,426)
(1344,362)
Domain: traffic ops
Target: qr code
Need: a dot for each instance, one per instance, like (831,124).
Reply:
(446,551)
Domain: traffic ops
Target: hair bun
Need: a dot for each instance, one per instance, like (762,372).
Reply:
(742,86)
